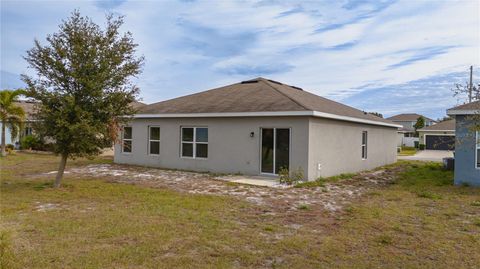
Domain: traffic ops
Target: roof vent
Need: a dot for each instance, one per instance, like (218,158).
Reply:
(298,88)
(249,81)
(275,82)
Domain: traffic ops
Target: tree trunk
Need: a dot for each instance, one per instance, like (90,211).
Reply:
(4,152)
(61,169)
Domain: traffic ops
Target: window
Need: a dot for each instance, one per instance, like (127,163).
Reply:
(477,150)
(127,140)
(194,142)
(364,144)
(28,131)
(154,140)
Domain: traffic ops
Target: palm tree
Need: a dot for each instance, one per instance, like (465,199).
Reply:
(10,114)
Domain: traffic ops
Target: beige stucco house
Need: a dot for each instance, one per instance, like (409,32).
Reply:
(256,127)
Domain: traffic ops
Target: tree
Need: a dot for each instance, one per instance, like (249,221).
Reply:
(11,115)
(419,124)
(84,86)
(380,115)
(462,91)
(445,118)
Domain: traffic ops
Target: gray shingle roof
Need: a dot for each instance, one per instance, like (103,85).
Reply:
(448,125)
(408,117)
(28,107)
(470,106)
(256,95)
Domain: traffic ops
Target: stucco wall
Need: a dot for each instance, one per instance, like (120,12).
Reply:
(230,149)
(465,171)
(336,146)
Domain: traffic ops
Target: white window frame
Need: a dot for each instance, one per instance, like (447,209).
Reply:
(153,140)
(194,142)
(364,145)
(127,139)
(477,147)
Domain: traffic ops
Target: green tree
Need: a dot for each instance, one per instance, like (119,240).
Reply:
(419,124)
(84,85)
(11,115)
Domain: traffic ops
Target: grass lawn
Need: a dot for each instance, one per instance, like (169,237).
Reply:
(407,151)
(420,221)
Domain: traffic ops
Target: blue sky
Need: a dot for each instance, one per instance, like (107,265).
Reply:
(385,56)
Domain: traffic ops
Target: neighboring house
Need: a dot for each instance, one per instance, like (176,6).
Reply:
(406,133)
(28,107)
(467,145)
(407,121)
(440,136)
(257,127)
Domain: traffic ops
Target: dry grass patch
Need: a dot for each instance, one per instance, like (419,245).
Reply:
(93,223)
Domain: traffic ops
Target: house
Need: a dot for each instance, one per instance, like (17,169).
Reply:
(28,108)
(257,127)
(440,136)
(467,144)
(407,121)
(406,133)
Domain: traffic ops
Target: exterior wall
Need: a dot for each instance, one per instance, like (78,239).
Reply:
(409,141)
(230,147)
(408,125)
(8,138)
(421,135)
(400,139)
(465,170)
(335,146)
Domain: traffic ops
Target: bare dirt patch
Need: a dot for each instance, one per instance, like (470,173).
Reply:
(331,198)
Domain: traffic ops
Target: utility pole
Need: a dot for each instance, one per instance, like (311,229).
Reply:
(470,90)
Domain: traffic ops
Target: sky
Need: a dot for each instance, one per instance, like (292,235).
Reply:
(385,56)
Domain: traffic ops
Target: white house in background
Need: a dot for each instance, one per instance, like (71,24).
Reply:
(257,127)
(28,107)
(406,134)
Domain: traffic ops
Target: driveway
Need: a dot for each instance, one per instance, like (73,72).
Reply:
(428,155)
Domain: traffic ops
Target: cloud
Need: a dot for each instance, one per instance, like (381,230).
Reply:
(263,70)
(209,41)
(343,46)
(10,80)
(430,96)
(340,49)
(109,4)
(421,55)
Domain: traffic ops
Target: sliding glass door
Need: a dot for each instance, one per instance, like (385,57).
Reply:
(275,149)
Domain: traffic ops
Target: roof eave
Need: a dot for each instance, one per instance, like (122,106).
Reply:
(462,112)
(267,114)
(436,130)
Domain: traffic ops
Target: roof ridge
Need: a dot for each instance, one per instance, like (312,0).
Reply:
(282,93)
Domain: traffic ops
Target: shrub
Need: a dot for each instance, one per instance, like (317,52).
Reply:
(421,146)
(29,142)
(290,178)
(10,147)
(303,207)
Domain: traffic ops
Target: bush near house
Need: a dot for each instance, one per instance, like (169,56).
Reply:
(33,142)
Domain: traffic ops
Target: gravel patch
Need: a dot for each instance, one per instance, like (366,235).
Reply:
(331,198)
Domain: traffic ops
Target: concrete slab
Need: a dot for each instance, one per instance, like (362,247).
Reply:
(253,180)
(428,155)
